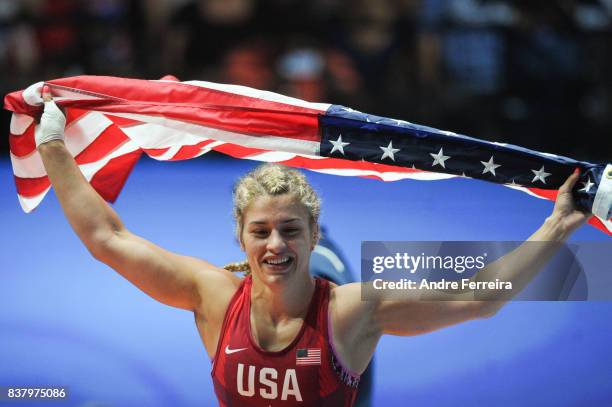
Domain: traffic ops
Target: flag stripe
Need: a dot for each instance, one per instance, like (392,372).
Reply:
(111,121)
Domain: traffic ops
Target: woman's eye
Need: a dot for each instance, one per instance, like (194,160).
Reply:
(292,231)
(260,233)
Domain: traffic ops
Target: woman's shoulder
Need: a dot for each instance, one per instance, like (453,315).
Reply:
(216,287)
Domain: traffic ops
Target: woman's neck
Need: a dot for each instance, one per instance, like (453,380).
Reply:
(283,301)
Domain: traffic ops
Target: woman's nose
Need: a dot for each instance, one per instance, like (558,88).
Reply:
(276,243)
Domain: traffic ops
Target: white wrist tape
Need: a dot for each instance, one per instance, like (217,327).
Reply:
(52,123)
(602,204)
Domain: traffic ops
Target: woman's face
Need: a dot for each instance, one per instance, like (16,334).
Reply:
(277,238)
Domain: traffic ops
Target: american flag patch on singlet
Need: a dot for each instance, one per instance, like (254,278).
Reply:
(308,357)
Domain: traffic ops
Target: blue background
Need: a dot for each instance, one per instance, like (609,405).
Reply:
(68,320)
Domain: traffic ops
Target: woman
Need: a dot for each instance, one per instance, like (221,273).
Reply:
(276,337)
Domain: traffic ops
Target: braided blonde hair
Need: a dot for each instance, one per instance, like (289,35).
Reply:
(272,180)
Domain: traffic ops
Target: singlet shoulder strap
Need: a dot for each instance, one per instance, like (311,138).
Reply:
(244,284)
(346,375)
(322,304)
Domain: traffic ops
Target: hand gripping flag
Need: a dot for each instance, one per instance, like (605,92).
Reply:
(112,121)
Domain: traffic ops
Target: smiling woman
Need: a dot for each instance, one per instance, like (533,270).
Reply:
(267,182)
(277,334)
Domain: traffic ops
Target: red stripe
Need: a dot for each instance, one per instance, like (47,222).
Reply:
(30,187)
(599,225)
(155,152)
(236,151)
(550,194)
(109,180)
(174,93)
(23,144)
(335,163)
(187,152)
(73,114)
(109,140)
(215,108)
(122,121)
(15,103)
(295,125)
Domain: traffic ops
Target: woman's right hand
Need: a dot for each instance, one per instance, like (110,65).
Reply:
(52,121)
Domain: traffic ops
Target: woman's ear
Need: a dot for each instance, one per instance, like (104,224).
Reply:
(315,236)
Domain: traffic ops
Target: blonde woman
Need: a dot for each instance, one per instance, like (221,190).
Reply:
(277,336)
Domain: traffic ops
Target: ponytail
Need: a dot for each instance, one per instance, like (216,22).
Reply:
(239,266)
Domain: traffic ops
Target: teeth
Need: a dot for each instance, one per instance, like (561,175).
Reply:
(278,261)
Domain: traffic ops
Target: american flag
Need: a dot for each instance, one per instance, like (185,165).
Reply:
(306,357)
(112,121)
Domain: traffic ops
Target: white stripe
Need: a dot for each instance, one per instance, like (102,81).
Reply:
(607,224)
(387,176)
(30,166)
(210,147)
(259,94)
(525,190)
(204,132)
(79,135)
(279,156)
(28,204)
(84,131)
(168,155)
(89,170)
(273,156)
(60,94)
(20,123)
(154,136)
(603,196)
(32,94)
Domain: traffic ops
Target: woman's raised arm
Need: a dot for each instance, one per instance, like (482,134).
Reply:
(358,324)
(172,279)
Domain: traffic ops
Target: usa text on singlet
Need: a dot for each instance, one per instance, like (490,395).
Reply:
(306,373)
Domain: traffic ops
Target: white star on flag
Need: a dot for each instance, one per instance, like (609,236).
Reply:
(587,185)
(338,145)
(490,166)
(540,175)
(439,158)
(389,151)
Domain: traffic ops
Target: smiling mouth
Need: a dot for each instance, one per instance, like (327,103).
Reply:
(279,263)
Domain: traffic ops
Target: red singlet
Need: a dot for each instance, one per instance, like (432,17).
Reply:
(305,373)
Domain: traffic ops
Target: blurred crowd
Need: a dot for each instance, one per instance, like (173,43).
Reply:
(537,73)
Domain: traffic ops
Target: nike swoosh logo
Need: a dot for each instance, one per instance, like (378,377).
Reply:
(229,351)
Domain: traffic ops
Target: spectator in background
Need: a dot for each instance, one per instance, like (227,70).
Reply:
(302,71)
(528,72)
(547,75)
(378,38)
(19,48)
(201,32)
(248,64)
(462,49)
(114,37)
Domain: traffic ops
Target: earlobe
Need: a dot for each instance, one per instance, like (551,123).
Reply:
(315,239)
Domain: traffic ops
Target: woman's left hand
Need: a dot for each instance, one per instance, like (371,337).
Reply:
(565,210)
